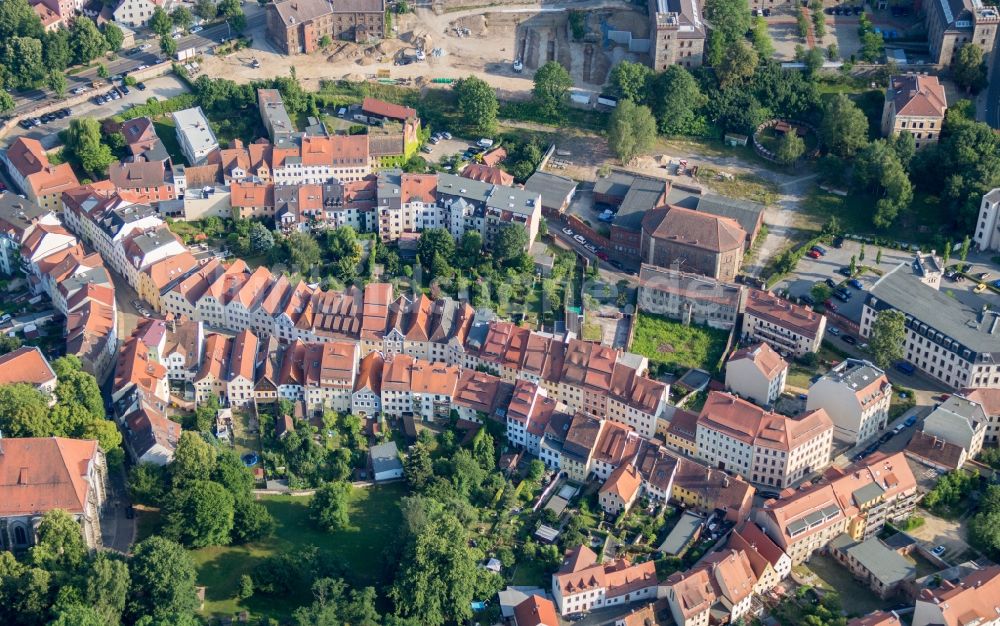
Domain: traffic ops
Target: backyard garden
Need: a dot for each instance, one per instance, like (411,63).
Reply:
(673,347)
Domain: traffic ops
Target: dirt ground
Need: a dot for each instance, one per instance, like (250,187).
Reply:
(937,531)
(483,42)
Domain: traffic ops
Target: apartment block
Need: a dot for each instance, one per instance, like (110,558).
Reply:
(856,395)
(786,327)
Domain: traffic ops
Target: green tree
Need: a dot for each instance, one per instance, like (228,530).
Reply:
(330,506)
(631,130)
(22,58)
(969,69)
(261,239)
(343,247)
(147,483)
(251,520)
(168,46)
(107,586)
(86,42)
(478,105)
(205,9)
(676,98)
(887,336)
(303,251)
(56,50)
(790,148)
(844,127)
(418,468)
(56,81)
(730,21)
(435,242)
(820,292)
(113,36)
(24,412)
(8,343)
(438,577)
(878,257)
(194,459)
(511,241)
(761,39)
(246,587)
(738,64)
(77,615)
(199,514)
(160,22)
(182,18)
(102,71)
(325,41)
(878,168)
(83,142)
(552,84)
(163,578)
(17,18)
(59,543)
(963,252)
(854,265)
(631,81)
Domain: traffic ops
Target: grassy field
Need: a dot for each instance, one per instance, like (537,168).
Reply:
(665,341)
(375,523)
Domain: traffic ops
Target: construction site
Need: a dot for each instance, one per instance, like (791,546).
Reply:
(502,44)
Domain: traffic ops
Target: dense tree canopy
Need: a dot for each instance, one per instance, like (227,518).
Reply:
(329,506)
(83,143)
(163,578)
(887,336)
(477,102)
(631,131)
(552,83)
(199,514)
(844,127)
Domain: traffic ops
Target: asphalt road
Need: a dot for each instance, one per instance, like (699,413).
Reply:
(30,100)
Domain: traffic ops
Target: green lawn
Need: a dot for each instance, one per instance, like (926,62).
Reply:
(830,575)
(677,346)
(375,523)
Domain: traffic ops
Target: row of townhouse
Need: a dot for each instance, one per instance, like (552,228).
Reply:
(724,583)
(34,241)
(586,447)
(857,500)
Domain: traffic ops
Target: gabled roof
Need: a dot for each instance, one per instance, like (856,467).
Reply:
(917,95)
(26,365)
(694,228)
(370,373)
(624,482)
(41,474)
(765,359)
(536,611)
(381,108)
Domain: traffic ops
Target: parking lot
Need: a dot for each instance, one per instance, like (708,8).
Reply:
(161,88)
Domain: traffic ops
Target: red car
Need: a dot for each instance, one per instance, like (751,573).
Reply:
(828,303)
(812,254)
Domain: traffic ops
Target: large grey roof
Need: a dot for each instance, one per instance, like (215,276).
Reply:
(888,566)
(643,195)
(976,331)
(681,534)
(747,213)
(553,189)
(385,458)
(854,373)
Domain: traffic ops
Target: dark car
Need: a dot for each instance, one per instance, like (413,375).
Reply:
(831,283)
(849,339)
(838,242)
(130,512)
(828,303)
(25,124)
(770,495)
(767,12)
(854,282)
(843,294)
(845,271)
(820,249)
(808,299)
(140,86)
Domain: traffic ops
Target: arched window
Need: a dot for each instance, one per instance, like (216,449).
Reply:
(20,537)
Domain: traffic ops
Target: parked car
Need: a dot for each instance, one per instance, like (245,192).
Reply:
(833,330)
(910,421)
(828,303)
(426,149)
(838,242)
(904,367)
(580,238)
(140,86)
(769,495)
(980,288)
(568,232)
(938,551)
(808,299)
(812,254)
(854,282)
(844,271)
(849,339)
(196,29)
(831,283)
(434,140)
(446,135)
(983,276)
(590,246)
(820,249)
(124,89)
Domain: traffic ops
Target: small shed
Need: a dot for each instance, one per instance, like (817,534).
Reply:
(385,462)
(546,534)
